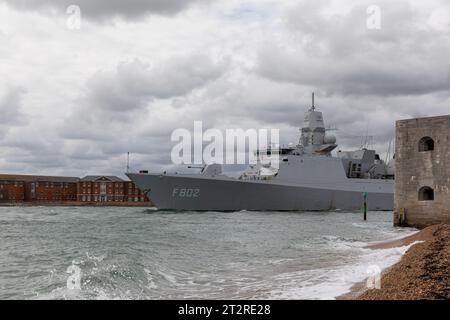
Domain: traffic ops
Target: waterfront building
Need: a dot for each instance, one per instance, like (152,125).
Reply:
(108,189)
(103,190)
(19,188)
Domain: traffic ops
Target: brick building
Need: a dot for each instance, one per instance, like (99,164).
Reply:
(422,171)
(90,189)
(18,188)
(108,189)
(11,188)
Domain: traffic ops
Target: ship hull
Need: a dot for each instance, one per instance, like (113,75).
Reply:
(187,192)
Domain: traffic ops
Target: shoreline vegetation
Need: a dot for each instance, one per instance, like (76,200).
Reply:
(422,273)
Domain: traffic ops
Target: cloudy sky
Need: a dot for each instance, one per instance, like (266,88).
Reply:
(74,101)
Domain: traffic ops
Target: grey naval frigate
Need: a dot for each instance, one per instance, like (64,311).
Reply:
(308,177)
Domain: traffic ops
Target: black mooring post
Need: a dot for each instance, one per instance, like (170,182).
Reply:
(365,205)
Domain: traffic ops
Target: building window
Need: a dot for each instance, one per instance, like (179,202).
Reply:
(426,144)
(426,194)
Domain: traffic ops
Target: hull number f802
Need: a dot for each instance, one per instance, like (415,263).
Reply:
(186,192)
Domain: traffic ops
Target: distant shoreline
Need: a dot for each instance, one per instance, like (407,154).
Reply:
(422,273)
(77,204)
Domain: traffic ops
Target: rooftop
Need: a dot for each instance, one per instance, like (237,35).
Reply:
(102,178)
(32,178)
(434,118)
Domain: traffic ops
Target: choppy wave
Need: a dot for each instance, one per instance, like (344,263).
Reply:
(135,253)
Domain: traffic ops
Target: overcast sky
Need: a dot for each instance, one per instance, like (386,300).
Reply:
(75,101)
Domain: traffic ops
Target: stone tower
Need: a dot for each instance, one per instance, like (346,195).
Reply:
(422,171)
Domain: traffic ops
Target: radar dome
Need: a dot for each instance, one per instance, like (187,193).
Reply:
(329,139)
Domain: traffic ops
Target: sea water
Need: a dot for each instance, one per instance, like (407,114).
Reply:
(139,253)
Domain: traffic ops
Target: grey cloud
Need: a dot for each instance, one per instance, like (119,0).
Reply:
(395,76)
(122,110)
(133,83)
(341,55)
(256,102)
(252,96)
(90,157)
(119,97)
(261,102)
(364,81)
(104,9)
(10,106)
(173,78)
(23,156)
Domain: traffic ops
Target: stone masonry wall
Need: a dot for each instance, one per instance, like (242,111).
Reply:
(414,169)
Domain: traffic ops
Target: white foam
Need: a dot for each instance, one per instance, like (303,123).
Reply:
(330,283)
(396,237)
(151,283)
(168,277)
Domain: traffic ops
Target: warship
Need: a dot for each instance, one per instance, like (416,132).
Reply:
(308,177)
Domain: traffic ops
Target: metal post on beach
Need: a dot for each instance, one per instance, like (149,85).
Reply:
(365,205)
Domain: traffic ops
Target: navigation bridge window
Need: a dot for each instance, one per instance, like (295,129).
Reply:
(426,144)
(274,151)
(426,194)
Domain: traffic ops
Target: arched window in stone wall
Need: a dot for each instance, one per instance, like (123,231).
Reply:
(426,144)
(426,194)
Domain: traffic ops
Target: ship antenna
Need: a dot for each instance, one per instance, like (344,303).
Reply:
(313,107)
